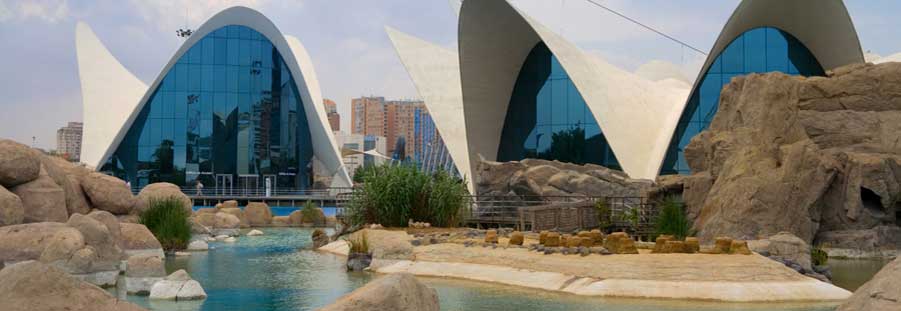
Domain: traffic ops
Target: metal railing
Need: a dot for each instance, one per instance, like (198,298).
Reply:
(258,192)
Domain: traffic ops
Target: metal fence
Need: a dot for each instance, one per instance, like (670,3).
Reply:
(258,192)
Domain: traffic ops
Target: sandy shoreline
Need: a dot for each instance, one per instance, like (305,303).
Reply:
(728,278)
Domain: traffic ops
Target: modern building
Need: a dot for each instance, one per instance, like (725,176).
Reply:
(331,111)
(359,150)
(68,141)
(430,152)
(523,91)
(236,106)
(392,119)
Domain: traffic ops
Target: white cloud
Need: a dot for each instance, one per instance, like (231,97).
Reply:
(174,14)
(50,11)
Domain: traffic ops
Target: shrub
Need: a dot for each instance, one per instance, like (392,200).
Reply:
(603,214)
(167,219)
(311,213)
(672,220)
(359,243)
(818,256)
(392,195)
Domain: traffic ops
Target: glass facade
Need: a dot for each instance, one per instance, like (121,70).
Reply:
(227,114)
(758,50)
(431,153)
(547,118)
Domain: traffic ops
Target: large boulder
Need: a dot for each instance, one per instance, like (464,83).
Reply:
(784,246)
(258,214)
(141,272)
(395,292)
(76,202)
(108,193)
(237,212)
(110,221)
(51,240)
(97,235)
(177,286)
(298,218)
(384,244)
(19,164)
(12,211)
(881,293)
(137,240)
(226,221)
(161,190)
(531,177)
(802,155)
(30,286)
(43,200)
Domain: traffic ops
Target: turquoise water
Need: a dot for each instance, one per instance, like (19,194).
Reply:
(850,274)
(271,272)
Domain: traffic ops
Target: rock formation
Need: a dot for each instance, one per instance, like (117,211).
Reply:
(158,191)
(18,165)
(258,214)
(395,292)
(533,177)
(11,209)
(141,272)
(31,285)
(108,193)
(137,240)
(879,294)
(810,156)
(177,286)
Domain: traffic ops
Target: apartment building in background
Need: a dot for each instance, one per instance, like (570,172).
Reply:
(68,141)
(331,111)
(392,119)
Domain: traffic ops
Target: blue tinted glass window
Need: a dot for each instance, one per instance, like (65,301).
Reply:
(547,117)
(229,106)
(755,51)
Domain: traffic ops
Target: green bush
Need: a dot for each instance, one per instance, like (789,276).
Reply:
(311,213)
(392,195)
(167,219)
(672,220)
(818,256)
(603,214)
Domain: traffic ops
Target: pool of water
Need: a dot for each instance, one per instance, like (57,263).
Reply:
(850,274)
(271,272)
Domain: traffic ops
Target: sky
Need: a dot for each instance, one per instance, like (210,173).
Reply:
(352,55)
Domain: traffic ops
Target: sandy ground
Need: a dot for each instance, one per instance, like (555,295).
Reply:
(644,266)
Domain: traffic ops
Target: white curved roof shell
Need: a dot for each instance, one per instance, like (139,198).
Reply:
(636,115)
(112,97)
(436,73)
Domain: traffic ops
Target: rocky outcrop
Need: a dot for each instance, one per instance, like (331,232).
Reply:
(258,214)
(11,209)
(384,244)
(141,272)
(881,293)
(316,218)
(395,292)
(237,212)
(137,240)
(802,155)
(319,237)
(108,193)
(159,191)
(19,164)
(68,177)
(177,286)
(30,286)
(42,199)
(532,177)
(97,235)
(198,245)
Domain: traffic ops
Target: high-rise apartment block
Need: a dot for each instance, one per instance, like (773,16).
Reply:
(331,110)
(392,119)
(68,140)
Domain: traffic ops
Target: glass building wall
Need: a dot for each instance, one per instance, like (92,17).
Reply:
(547,118)
(758,50)
(227,114)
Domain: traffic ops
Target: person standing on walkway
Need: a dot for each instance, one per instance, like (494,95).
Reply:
(199,187)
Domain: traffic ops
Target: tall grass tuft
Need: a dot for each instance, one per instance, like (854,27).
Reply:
(310,213)
(167,219)
(672,220)
(392,195)
(359,243)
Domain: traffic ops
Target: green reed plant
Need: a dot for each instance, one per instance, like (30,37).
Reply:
(359,243)
(167,219)
(392,195)
(310,213)
(672,219)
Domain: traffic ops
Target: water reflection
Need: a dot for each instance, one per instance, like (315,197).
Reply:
(270,273)
(850,274)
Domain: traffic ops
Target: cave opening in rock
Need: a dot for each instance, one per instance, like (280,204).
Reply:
(871,201)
